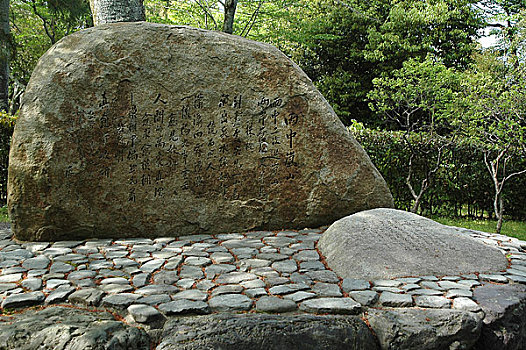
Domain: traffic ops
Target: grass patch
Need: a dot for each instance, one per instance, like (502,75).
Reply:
(3,214)
(515,229)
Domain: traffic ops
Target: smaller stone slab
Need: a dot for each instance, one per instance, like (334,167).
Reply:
(343,306)
(388,243)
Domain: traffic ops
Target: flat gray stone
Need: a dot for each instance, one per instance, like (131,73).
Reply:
(59,295)
(186,283)
(87,297)
(23,300)
(287,288)
(230,303)
(466,304)
(227,289)
(120,301)
(32,284)
(193,272)
(173,263)
(425,291)
(255,292)
(432,301)
(14,277)
(323,276)
(61,267)
(78,275)
(364,297)
(155,299)
(144,313)
(307,255)
(114,288)
(493,278)
(184,306)
(165,277)
(300,296)
(311,266)
(410,245)
(257,283)
(197,261)
(191,294)
(141,279)
(38,262)
(350,284)
(152,265)
(344,306)
(455,293)
(275,305)
(395,300)
(235,277)
(54,283)
(217,269)
(157,289)
(327,289)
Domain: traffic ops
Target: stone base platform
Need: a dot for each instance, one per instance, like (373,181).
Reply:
(252,290)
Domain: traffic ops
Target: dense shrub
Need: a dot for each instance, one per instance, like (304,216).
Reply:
(6,130)
(461,187)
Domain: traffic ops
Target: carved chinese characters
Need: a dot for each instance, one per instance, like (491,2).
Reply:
(137,129)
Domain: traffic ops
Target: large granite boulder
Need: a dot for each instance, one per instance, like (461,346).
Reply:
(388,243)
(143,129)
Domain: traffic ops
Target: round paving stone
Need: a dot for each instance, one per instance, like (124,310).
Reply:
(326,289)
(288,266)
(432,301)
(275,305)
(39,262)
(345,306)
(23,300)
(120,301)
(466,304)
(227,289)
(364,297)
(144,313)
(230,302)
(395,300)
(184,306)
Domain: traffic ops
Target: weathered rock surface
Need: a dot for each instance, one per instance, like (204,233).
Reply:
(425,329)
(135,129)
(388,243)
(504,326)
(68,329)
(276,332)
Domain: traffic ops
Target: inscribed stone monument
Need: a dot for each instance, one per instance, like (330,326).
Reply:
(388,243)
(139,129)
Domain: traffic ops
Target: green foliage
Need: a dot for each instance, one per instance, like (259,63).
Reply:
(7,122)
(462,185)
(515,229)
(417,96)
(3,214)
(38,24)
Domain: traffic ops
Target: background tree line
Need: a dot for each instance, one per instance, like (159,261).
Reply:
(441,116)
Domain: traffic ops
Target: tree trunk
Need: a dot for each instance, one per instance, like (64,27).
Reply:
(230,11)
(109,11)
(4,55)
(499,212)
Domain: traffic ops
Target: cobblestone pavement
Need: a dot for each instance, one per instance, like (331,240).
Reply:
(262,271)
